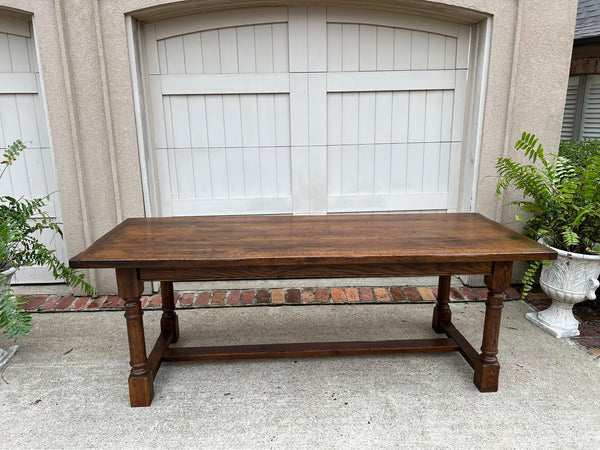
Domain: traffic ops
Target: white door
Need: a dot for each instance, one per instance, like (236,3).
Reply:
(307,111)
(22,116)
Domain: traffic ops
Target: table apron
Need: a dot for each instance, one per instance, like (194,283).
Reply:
(313,271)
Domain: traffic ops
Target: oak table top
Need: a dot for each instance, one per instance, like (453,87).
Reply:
(280,240)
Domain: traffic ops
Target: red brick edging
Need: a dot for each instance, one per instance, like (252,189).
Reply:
(292,296)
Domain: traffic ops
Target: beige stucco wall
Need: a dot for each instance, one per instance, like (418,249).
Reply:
(82,47)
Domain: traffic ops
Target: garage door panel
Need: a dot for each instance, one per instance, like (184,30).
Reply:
(326,107)
(219,19)
(22,116)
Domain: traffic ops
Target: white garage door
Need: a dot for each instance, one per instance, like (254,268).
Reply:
(22,116)
(307,111)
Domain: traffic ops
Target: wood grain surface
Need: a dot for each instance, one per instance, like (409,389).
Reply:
(308,240)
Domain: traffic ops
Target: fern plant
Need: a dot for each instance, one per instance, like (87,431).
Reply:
(561,200)
(21,222)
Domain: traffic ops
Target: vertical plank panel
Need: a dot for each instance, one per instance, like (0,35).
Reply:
(162,56)
(416,125)
(349,169)
(151,47)
(299,111)
(334,170)
(280,47)
(33,66)
(180,121)
(366,113)
(455,170)
(450,53)
(447,111)
(211,59)
(233,141)
(458,115)
(158,117)
(252,175)
(334,118)
(282,119)
(251,152)
(175,56)
(317,39)
(284,181)
(419,50)
(197,113)
(18,53)
(400,116)
(334,47)
(228,50)
(25,107)
(266,120)
(245,49)
(184,172)
(414,168)
(385,48)
(462,47)
(235,172)
(431,164)
(218,172)
(350,47)
(366,137)
(164,182)
(300,178)
(214,120)
(263,39)
(402,49)
(444,167)
(349,118)
(42,124)
(268,171)
(249,116)
(382,174)
(298,38)
(398,169)
(367,47)
(232,120)
(192,52)
(172,164)
(366,168)
(433,124)
(5,64)
(202,175)
(383,118)
(317,103)
(436,52)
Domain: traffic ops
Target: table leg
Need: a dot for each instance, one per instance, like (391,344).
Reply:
(441,311)
(169,321)
(141,379)
(487,368)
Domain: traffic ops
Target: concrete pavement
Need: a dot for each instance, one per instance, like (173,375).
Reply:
(67,385)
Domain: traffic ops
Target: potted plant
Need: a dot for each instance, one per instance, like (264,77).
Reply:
(562,203)
(21,222)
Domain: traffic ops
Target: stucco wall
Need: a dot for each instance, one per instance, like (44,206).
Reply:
(82,47)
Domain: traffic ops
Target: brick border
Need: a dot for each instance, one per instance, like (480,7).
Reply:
(260,297)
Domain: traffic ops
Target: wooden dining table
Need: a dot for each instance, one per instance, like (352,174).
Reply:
(290,247)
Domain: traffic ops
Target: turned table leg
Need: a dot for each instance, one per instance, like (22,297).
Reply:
(487,367)
(441,311)
(141,380)
(169,321)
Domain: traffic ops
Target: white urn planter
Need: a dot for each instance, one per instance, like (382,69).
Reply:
(571,278)
(5,355)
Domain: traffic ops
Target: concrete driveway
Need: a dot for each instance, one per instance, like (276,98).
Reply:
(67,385)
